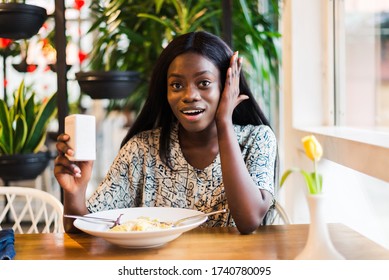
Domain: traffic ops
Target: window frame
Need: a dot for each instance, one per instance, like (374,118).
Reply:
(353,148)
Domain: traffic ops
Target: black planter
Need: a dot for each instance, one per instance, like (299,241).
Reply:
(109,84)
(23,166)
(53,67)
(20,21)
(23,67)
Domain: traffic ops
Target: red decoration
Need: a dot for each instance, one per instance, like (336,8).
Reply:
(82,56)
(4,43)
(45,26)
(45,42)
(78,4)
(31,68)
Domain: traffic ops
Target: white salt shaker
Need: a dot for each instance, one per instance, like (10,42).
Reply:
(82,132)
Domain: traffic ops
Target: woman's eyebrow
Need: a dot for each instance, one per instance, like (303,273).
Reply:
(195,75)
(174,75)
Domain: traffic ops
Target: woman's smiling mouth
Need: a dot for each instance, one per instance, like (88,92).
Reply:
(192,112)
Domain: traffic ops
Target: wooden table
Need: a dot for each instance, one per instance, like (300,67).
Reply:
(269,243)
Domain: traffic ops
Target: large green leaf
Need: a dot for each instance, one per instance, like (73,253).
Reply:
(19,100)
(164,21)
(20,133)
(310,180)
(5,128)
(45,113)
(286,175)
(30,111)
(41,142)
(3,149)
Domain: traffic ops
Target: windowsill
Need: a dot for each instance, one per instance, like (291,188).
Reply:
(366,151)
(371,136)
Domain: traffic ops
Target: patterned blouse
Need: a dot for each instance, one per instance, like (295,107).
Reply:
(139,178)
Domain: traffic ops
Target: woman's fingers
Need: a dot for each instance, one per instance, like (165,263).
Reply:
(233,73)
(61,170)
(63,137)
(236,64)
(233,76)
(62,146)
(231,96)
(63,165)
(63,149)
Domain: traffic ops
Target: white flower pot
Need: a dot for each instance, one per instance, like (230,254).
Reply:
(319,245)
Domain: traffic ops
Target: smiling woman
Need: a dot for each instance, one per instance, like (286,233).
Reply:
(193,92)
(198,143)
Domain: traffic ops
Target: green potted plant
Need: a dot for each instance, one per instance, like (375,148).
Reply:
(111,73)
(23,130)
(19,20)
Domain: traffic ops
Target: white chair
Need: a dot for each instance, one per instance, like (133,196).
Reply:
(39,210)
(279,216)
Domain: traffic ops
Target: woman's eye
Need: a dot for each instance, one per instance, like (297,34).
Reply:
(204,83)
(176,86)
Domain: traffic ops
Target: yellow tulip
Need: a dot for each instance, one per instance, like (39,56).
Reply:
(314,151)
(312,148)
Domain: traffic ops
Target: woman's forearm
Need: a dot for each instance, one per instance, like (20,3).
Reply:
(74,204)
(247,203)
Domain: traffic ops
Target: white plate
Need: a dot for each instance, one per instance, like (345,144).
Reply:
(141,239)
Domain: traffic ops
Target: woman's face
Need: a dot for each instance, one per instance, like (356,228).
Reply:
(193,91)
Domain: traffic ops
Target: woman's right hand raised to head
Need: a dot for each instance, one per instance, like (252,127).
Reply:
(72,177)
(231,96)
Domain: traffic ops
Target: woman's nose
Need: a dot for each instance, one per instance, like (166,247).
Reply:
(191,94)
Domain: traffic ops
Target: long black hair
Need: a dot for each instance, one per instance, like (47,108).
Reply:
(156,111)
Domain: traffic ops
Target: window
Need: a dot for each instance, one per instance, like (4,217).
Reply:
(315,34)
(362,63)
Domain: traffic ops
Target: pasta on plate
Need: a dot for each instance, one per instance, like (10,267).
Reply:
(141,224)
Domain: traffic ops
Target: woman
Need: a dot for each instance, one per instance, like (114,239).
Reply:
(200,142)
